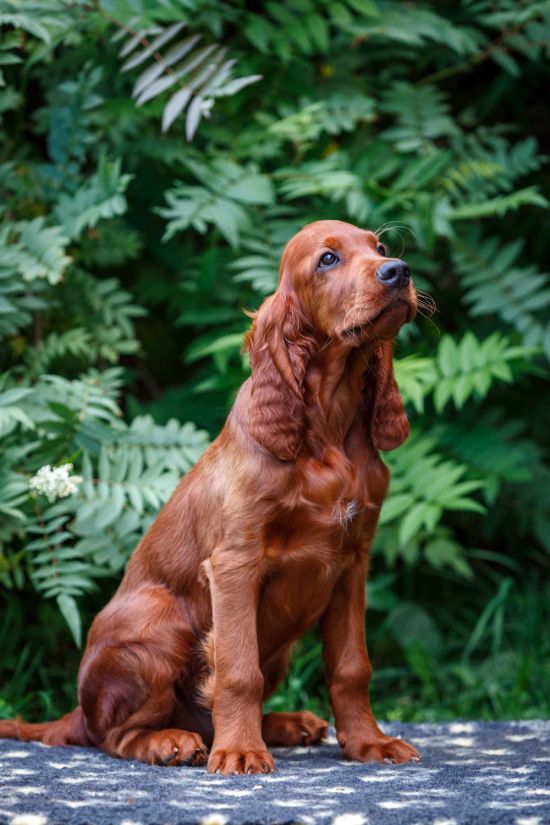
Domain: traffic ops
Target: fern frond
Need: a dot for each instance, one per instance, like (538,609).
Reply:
(111,243)
(13,495)
(69,124)
(57,569)
(263,243)
(101,196)
(307,27)
(201,73)
(415,377)
(18,298)
(34,250)
(529,196)
(227,190)
(424,485)
(44,19)
(61,567)
(105,311)
(492,448)
(422,115)
(12,411)
(81,537)
(488,163)
(178,446)
(335,114)
(461,370)
(328,177)
(496,282)
(93,396)
(119,479)
(75,342)
(469,367)
(411,25)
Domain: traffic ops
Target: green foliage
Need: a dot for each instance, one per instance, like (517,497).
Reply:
(424,486)
(302,26)
(128,472)
(496,283)
(460,370)
(127,256)
(492,662)
(35,252)
(221,201)
(101,196)
(422,116)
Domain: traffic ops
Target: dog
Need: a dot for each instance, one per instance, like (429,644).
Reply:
(267,535)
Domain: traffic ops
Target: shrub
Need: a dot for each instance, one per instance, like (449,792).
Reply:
(155,159)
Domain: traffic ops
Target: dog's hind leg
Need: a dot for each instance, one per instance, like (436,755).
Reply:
(127,679)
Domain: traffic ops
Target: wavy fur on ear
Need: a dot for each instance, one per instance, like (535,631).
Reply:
(389,426)
(280,350)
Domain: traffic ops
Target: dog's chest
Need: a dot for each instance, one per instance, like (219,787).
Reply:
(310,538)
(295,594)
(328,507)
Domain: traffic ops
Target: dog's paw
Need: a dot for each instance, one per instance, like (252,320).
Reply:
(240,760)
(394,751)
(172,747)
(295,728)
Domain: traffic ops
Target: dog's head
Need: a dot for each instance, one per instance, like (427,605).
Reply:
(336,283)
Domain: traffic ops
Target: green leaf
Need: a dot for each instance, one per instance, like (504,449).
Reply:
(101,197)
(530,196)
(226,343)
(68,607)
(412,523)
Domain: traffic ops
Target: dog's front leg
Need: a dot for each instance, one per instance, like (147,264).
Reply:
(349,671)
(238,745)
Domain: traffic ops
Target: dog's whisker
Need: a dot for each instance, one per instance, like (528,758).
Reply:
(430,320)
(426,301)
(428,305)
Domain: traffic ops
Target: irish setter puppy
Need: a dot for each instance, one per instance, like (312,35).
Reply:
(268,534)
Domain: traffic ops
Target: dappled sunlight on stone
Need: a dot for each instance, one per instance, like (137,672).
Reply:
(470,773)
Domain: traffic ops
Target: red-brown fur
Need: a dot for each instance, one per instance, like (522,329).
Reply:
(268,534)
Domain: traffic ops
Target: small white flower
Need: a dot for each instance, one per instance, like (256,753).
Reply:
(54,482)
(213,819)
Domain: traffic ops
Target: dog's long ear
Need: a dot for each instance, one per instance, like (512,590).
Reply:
(280,350)
(389,426)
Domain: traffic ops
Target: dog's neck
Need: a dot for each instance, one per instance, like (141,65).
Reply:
(334,384)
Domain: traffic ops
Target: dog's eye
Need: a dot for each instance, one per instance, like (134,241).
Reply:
(328,259)
(381,249)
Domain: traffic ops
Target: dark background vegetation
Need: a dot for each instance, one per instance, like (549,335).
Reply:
(127,254)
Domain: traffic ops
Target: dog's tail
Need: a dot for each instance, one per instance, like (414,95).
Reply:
(69,730)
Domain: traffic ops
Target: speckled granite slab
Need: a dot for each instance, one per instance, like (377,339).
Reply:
(471,772)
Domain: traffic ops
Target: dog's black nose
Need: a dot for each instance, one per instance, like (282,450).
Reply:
(394,273)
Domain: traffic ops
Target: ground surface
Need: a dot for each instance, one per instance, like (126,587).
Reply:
(470,772)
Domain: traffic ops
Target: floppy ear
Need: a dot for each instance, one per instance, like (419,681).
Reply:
(389,426)
(280,350)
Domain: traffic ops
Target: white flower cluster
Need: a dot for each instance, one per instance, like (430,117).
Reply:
(54,482)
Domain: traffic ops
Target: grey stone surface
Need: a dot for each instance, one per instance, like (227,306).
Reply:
(471,772)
